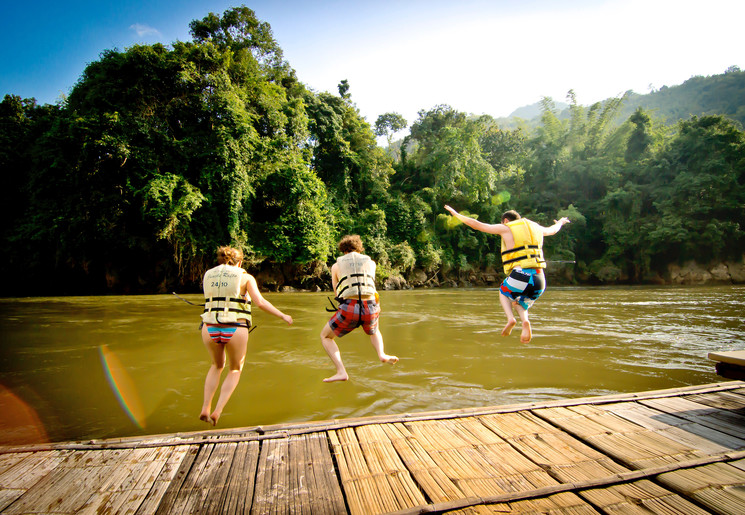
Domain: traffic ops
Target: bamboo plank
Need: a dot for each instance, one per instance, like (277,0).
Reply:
(366,492)
(383,460)
(569,460)
(436,484)
(740,464)
(639,497)
(354,490)
(721,420)
(723,400)
(631,444)
(679,429)
(483,469)
(720,487)
(564,457)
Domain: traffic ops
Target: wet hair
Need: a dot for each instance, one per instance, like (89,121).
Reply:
(511,215)
(229,256)
(351,243)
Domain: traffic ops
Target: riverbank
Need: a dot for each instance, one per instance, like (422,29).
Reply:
(316,277)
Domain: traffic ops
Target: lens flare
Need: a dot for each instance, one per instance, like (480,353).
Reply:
(19,425)
(123,386)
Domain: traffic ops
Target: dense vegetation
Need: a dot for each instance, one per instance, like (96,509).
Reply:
(160,154)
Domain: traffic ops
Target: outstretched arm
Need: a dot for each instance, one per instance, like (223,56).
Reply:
(261,302)
(558,224)
(479,226)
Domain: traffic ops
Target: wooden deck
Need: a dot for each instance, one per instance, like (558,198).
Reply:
(669,451)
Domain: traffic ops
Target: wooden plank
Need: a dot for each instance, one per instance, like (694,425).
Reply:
(271,490)
(239,490)
(214,478)
(22,471)
(173,481)
(10,460)
(190,495)
(69,485)
(129,482)
(174,457)
(327,496)
(735,357)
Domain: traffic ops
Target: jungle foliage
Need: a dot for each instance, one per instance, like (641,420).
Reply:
(160,154)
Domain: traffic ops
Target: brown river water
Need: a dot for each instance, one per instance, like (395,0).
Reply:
(75,368)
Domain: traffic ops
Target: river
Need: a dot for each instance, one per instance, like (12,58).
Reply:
(75,368)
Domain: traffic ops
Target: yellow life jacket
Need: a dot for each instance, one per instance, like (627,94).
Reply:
(528,249)
(222,294)
(356,276)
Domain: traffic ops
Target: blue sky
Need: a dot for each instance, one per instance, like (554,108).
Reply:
(408,55)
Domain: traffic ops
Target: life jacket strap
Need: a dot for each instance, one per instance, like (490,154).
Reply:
(537,257)
(510,251)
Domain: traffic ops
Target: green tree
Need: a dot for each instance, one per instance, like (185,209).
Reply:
(699,194)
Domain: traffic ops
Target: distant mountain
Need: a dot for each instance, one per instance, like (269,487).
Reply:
(716,94)
(533,111)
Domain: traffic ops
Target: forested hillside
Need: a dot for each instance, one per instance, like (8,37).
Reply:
(160,154)
(698,96)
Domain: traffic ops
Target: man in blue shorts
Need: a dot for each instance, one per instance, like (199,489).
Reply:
(353,280)
(522,259)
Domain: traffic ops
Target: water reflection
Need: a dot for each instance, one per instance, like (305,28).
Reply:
(587,341)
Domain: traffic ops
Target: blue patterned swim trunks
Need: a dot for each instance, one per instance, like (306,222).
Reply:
(524,285)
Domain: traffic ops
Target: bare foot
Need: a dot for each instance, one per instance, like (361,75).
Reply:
(214,418)
(205,417)
(387,358)
(527,333)
(508,327)
(336,377)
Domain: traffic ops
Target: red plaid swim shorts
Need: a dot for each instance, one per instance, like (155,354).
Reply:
(348,317)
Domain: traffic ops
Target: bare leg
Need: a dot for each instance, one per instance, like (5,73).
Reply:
(210,387)
(236,351)
(329,345)
(377,342)
(217,353)
(527,333)
(507,307)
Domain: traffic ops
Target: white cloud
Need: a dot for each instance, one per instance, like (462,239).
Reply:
(145,30)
